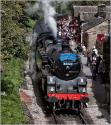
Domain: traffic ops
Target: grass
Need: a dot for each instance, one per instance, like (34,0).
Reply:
(11,111)
(11,108)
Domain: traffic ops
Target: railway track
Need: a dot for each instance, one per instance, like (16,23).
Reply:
(56,119)
(67,118)
(81,115)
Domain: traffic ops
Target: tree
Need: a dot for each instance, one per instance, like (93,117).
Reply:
(13,42)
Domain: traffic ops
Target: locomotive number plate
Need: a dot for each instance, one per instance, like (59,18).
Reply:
(66,63)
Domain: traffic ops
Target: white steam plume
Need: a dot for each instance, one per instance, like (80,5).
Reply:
(31,9)
(49,13)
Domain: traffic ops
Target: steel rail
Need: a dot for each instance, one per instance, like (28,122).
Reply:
(56,120)
(82,118)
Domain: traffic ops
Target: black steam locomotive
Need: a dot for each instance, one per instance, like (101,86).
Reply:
(62,83)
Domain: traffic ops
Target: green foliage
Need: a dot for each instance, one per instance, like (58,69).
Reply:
(6,86)
(14,50)
(12,76)
(30,23)
(11,111)
(87,2)
(12,34)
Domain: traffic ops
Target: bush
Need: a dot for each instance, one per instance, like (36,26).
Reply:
(13,43)
(11,111)
(12,78)
(11,108)
(30,23)
(6,86)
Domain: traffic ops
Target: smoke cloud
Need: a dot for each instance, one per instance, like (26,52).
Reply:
(31,9)
(49,13)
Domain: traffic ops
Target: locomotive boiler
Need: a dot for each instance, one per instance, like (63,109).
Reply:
(62,81)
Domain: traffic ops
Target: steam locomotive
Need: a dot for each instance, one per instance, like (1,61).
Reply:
(62,82)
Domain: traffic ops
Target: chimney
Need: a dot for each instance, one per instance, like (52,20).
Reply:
(102,10)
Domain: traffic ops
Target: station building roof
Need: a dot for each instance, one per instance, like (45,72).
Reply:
(87,12)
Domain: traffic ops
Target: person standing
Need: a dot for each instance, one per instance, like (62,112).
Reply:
(84,50)
(98,60)
(88,57)
(94,67)
(79,48)
(94,50)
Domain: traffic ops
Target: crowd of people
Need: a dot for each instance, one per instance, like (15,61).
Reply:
(94,60)
(69,28)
